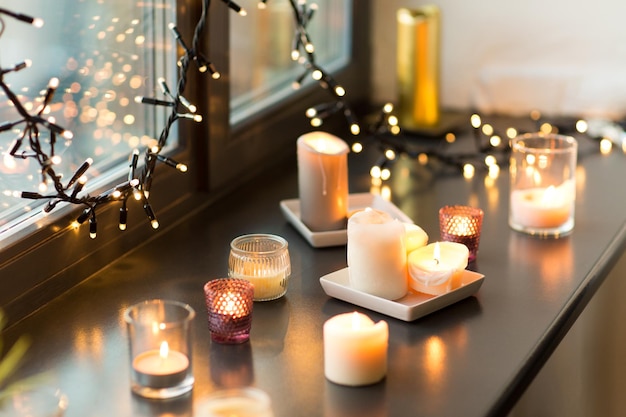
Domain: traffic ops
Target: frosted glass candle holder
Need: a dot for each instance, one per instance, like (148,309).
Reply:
(262,259)
(543,184)
(160,348)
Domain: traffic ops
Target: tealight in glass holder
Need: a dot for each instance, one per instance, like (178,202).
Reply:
(543,184)
(160,348)
(263,259)
(461,224)
(229,303)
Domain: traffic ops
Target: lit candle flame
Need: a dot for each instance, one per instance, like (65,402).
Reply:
(164,350)
(437,253)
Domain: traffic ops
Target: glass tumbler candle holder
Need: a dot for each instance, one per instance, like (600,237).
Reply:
(461,224)
(543,184)
(229,303)
(159,333)
(262,259)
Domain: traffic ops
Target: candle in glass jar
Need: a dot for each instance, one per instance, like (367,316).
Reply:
(323,181)
(160,368)
(355,349)
(437,268)
(543,207)
(229,303)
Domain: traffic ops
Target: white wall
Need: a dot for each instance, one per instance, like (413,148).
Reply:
(558,56)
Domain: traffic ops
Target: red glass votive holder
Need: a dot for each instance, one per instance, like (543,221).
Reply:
(461,224)
(229,304)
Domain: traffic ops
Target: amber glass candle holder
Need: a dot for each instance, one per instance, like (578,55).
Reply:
(229,303)
(461,224)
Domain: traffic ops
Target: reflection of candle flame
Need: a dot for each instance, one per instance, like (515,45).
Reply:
(435,359)
(164,351)
(437,253)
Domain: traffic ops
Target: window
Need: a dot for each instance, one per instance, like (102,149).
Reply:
(103,54)
(262,69)
(50,257)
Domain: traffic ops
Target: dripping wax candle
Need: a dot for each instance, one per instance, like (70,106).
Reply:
(323,181)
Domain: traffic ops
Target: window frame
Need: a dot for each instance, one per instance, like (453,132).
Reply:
(44,260)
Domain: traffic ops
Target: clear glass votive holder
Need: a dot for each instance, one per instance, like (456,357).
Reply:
(34,401)
(159,335)
(263,259)
(229,303)
(543,184)
(461,224)
(240,402)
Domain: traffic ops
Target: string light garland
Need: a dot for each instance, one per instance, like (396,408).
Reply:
(32,143)
(303,52)
(490,148)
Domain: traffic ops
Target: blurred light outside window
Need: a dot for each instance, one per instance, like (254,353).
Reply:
(104,53)
(261,68)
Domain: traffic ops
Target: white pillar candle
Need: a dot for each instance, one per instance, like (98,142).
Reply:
(543,207)
(323,181)
(355,349)
(437,268)
(376,254)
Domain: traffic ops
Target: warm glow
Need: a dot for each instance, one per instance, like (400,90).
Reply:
(475,121)
(605,146)
(436,253)
(164,350)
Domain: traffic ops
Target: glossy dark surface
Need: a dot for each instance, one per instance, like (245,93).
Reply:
(471,359)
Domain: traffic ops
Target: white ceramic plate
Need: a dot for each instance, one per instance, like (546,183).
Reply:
(408,308)
(291,211)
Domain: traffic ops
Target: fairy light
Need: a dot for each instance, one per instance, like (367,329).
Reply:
(139,180)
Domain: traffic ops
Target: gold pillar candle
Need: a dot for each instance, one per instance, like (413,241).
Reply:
(418,67)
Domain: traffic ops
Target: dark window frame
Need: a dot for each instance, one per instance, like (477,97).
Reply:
(42,262)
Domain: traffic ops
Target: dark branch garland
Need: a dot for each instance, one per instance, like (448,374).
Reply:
(137,184)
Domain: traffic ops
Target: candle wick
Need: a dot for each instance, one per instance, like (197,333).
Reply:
(436,261)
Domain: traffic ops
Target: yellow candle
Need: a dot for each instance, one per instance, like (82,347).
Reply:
(355,349)
(415,237)
(437,268)
(418,66)
(323,181)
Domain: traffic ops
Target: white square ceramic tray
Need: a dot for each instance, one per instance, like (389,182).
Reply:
(408,308)
(291,211)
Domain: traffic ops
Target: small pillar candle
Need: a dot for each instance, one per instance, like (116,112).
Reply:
(229,303)
(438,267)
(355,349)
(461,224)
(376,254)
(418,66)
(415,237)
(323,181)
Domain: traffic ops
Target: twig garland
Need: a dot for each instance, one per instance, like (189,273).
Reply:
(139,181)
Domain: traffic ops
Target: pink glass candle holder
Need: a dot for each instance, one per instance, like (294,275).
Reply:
(461,224)
(229,304)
